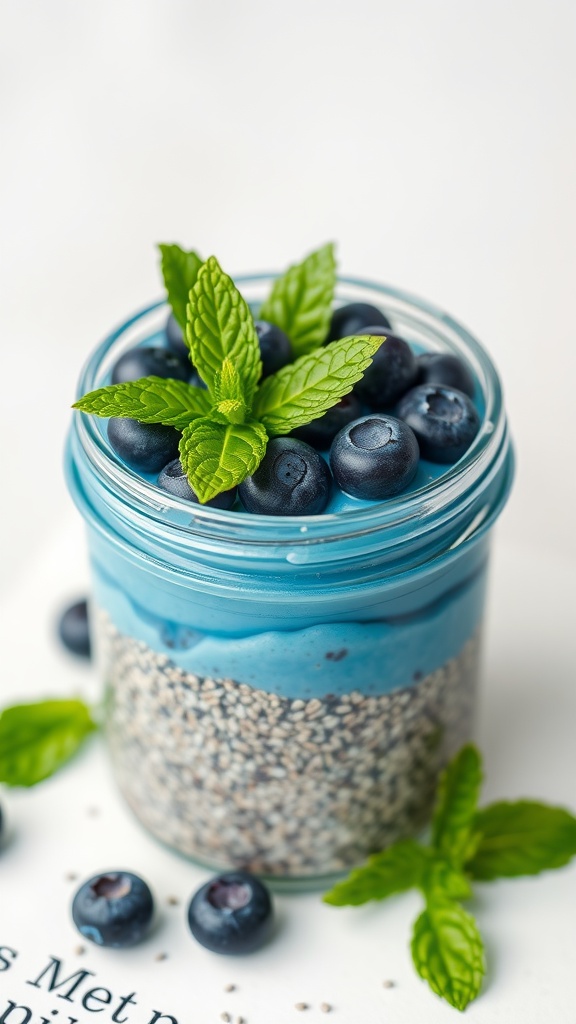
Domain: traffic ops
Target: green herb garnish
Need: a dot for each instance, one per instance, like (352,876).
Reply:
(37,739)
(225,429)
(503,840)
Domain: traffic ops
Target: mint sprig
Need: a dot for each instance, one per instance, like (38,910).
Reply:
(300,302)
(37,739)
(225,428)
(468,844)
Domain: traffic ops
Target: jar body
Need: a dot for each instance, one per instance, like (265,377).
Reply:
(286,705)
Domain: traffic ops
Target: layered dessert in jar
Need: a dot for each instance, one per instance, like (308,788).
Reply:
(289,559)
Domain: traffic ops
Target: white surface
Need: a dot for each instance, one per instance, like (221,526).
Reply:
(525,729)
(435,143)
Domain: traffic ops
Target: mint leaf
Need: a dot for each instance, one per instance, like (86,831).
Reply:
(179,270)
(396,869)
(218,456)
(448,953)
(229,394)
(300,302)
(442,880)
(521,838)
(304,390)
(458,791)
(148,400)
(220,326)
(37,739)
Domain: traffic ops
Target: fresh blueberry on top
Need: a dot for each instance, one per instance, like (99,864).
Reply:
(174,480)
(375,457)
(321,432)
(114,909)
(74,629)
(354,318)
(150,361)
(444,368)
(444,420)
(275,347)
(291,480)
(391,373)
(143,446)
(175,338)
(231,914)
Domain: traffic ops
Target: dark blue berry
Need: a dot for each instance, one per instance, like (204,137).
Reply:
(391,373)
(374,457)
(291,480)
(321,432)
(144,446)
(231,914)
(114,909)
(174,480)
(150,362)
(353,318)
(74,629)
(175,338)
(444,368)
(444,420)
(275,347)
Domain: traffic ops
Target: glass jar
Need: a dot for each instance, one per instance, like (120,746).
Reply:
(282,692)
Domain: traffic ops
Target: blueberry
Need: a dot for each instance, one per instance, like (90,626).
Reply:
(291,480)
(150,362)
(321,432)
(444,420)
(114,909)
(144,446)
(174,480)
(275,347)
(375,457)
(74,629)
(354,318)
(444,368)
(175,338)
(391,373)
(231,914)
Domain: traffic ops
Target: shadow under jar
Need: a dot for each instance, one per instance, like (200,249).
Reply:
(282,692)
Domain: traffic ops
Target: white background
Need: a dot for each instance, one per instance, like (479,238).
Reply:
(435,143)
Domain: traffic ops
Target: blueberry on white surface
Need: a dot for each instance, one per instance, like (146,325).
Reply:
(354,318)
(321,432)
(231,914)
(175,338)
(144,446)
(444,368)
(391,373)
(150,361)
(174,480)
(74,629)
(275,347)
(292,480)
(113,909)
(375,457)
(444,420)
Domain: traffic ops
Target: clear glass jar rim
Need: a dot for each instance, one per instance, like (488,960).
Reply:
(153,503)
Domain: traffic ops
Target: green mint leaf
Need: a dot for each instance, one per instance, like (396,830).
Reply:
(300,302)
(396,869)
(179,270)
(304,390)
(148,400)
(220,326)
(218,456)
(37,739)
(442,880)
(229,394)
(453,832)
(521,838)
(448,953)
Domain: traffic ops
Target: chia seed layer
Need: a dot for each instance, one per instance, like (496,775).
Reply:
(234,776)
